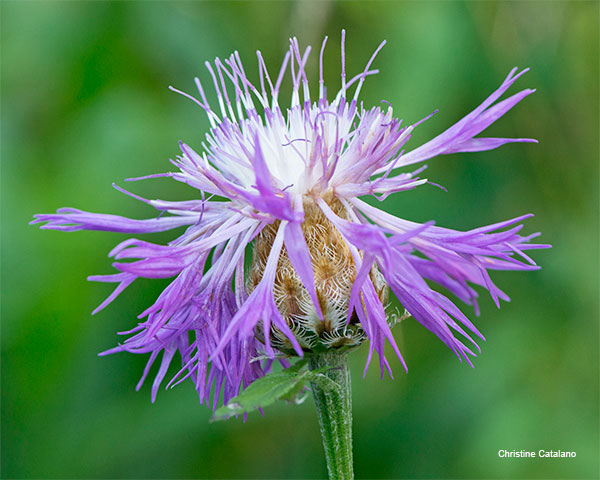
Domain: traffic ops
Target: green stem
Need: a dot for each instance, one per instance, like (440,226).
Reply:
(334,409)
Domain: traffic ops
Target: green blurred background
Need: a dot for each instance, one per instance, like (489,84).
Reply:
(85,103)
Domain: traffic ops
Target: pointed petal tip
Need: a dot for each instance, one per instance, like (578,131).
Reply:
(512,76)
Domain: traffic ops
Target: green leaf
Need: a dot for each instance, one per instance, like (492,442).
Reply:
(287,384)
(296,367)
(296,395)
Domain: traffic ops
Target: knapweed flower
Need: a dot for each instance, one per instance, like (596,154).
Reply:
(320,259)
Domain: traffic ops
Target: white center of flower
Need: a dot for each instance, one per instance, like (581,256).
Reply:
(298,151)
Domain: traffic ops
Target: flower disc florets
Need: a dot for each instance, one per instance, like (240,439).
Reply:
(323,258)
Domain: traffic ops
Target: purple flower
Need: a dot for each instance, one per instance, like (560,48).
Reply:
(323,260)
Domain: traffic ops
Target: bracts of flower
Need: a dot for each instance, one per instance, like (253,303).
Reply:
(323,259)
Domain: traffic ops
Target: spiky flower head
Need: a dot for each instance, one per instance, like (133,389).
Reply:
(290,184)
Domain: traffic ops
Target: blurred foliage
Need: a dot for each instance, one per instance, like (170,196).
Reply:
(85,103)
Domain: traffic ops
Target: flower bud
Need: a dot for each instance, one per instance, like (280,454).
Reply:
(334,273)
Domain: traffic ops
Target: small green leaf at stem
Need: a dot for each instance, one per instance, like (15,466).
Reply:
(289,384)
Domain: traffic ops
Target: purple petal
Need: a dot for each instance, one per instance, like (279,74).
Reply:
(461,134)
(297,250)
(71,219)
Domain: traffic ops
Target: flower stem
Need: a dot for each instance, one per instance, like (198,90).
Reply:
(334,409)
